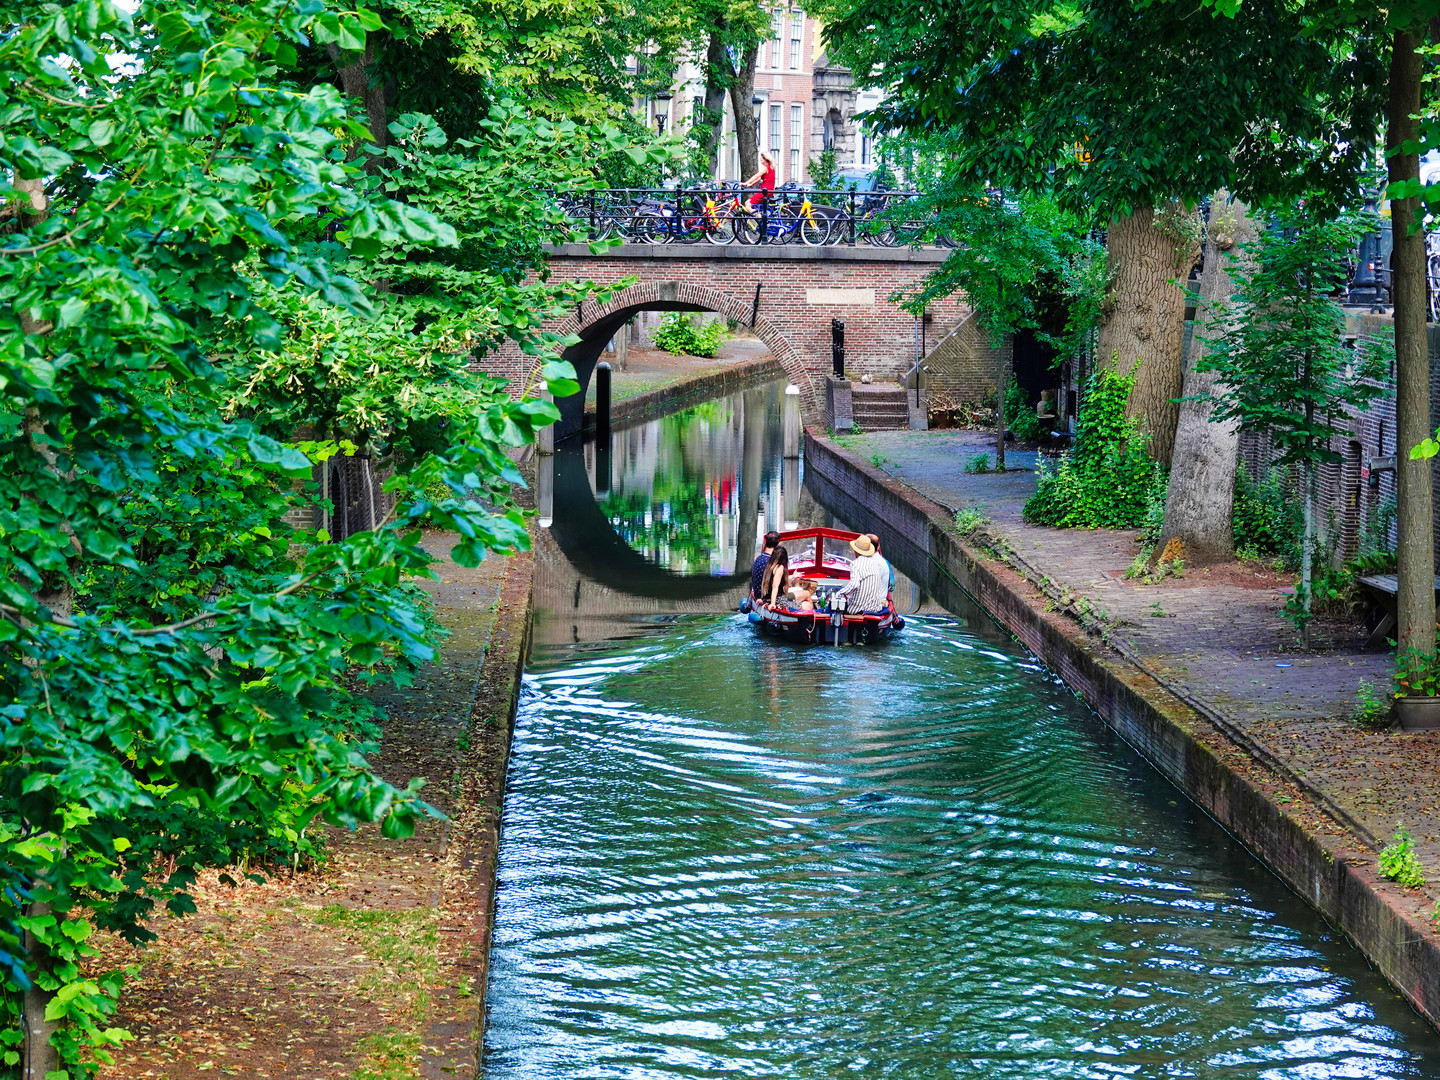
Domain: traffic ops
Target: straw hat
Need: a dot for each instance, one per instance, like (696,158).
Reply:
(862,546)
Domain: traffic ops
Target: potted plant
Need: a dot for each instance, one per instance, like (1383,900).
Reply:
(1417,689)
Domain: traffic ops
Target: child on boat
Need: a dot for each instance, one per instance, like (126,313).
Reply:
(802,594)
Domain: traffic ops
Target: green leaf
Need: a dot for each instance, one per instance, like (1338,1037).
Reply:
(102,132)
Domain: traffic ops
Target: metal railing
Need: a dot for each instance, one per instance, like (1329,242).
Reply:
(728,214)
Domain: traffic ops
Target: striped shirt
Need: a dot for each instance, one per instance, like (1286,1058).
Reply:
(869,588)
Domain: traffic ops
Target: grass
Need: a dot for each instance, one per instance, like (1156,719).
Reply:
(405,949)
(969,520)
(388,1056)
(1399,863)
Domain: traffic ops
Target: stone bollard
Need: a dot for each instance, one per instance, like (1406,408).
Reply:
(792,421)
(602,406)
(545,437)
(545,487)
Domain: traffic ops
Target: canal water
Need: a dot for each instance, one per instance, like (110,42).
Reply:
(729,856)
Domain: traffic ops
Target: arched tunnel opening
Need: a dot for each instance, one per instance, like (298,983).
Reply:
(587,352)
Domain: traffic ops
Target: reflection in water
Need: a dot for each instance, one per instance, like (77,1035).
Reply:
(690,494)
(695,490)
(729,856)
(726,855)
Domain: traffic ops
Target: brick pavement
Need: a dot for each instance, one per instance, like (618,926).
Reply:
(1220,641)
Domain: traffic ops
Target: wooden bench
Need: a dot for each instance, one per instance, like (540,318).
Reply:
(1382,589)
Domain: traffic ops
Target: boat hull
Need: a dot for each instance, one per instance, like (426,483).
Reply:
(819,628)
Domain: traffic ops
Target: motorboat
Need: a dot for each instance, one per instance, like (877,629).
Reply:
(823,556)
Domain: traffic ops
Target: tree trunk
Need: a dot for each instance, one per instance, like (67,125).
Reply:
(356,80)
(1307,551)
(38,1057)
(1150,256)
(1199,505)
(742,89)
(1415,550)
(716,80)
(1002,383)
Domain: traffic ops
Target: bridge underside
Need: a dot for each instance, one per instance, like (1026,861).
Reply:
(588,352)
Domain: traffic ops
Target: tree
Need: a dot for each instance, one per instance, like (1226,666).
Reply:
(1199,503)
(1279,352)
(1414,503)
(178,658)
(1126,111)
(1009,253)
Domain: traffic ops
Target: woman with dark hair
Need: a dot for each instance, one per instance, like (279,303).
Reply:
(777,577)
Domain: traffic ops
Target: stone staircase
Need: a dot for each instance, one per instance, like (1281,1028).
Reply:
(879,406)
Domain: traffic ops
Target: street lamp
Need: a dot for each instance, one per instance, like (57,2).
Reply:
(662,110)
(756,101)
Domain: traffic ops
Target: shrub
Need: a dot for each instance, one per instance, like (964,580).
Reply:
(1108,480)
(678,334)
(1372,711)
(1020,415)
(1417,671)
(980,463)
(970,519)
(1267,517)
(1399,863)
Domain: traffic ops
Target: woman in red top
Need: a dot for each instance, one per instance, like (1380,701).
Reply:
(765,178)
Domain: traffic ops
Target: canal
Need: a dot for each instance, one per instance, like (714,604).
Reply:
(725,855)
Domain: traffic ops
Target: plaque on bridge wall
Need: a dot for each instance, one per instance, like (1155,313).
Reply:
(840,296)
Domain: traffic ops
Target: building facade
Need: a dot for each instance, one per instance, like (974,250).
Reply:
(802,104)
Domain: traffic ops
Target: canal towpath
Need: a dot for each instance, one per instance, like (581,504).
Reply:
(374,962)
(1214,637)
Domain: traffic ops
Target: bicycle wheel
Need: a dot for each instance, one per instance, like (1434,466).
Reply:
(815,230)
(721,232)
(649,229)
(689,230)
(747,228)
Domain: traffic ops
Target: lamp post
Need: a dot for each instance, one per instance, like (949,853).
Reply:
(1368,286)
(662,110)
(756,101)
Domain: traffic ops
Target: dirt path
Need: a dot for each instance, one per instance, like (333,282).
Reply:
(373,966)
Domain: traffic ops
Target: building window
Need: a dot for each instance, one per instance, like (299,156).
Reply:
(797,122)
(864,150)
(794,53)
(794,165)
(774,130)
(697,110)
(775,46)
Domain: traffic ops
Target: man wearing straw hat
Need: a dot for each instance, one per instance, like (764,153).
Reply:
(869,587)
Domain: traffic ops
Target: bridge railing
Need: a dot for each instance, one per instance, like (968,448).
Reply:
(729,214)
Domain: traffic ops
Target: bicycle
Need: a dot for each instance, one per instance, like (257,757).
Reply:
(783,221)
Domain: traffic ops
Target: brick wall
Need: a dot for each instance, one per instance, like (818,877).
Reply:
(792,318)
(1348,499)
(963,365)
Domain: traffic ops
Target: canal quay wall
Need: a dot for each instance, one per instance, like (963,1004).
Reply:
(1289,822)
(650,404)
(473,848)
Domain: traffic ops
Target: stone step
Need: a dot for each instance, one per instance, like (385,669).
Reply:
(899,416)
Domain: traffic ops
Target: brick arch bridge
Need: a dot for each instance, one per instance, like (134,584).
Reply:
(788,295)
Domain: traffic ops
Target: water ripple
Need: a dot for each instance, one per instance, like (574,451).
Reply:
(724,857)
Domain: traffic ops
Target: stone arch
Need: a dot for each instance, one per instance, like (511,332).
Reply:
(596,324)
